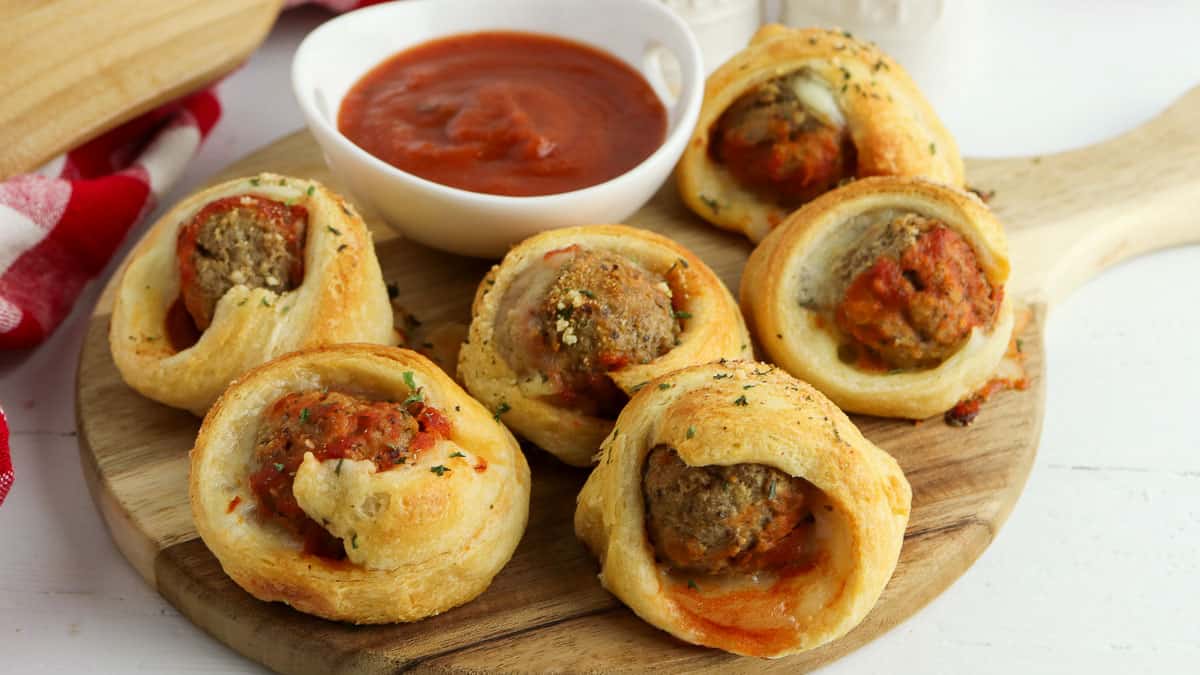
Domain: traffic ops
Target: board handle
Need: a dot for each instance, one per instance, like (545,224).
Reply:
(1073,214)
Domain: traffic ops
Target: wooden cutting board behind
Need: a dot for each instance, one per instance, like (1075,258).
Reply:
(1068,216)
(72,69)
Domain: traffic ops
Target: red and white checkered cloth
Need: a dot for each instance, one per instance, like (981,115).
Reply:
(60,225)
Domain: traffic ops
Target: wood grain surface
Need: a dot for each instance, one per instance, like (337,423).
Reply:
(72,69)
(1068,216)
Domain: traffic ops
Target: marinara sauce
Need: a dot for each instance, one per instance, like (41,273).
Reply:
(505,113)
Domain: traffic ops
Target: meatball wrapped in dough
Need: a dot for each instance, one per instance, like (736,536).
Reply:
(574,320)
(797,113)
(736,507)
(887,295)
(357,483)
(238,274)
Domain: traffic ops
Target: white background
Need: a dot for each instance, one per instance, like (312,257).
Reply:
(1096,570)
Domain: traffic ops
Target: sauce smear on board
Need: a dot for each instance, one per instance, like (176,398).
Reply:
(505,113)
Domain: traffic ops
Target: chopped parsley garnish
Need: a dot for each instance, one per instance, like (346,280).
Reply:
(638,387)
(304,414)
(771,491)
(680,314)
(278,466)
(1020,345)
(586,293)
(741,400)
(749,386)
(711,203)
(337,470)
(663,386)
(354,541)
(414,395)
(255,181)
(932,149)
(457,454)
(242,302)
(343,247)
(346,210)
(691,432)
(333,230)
(439,469)
(504,407)
(310,190)
(692,585)
(283,181)
(265,302)
(721,376)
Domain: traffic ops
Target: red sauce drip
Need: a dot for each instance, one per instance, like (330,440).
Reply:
(505,113)
(965,412)
(336,426)
(233,503)
(181,328)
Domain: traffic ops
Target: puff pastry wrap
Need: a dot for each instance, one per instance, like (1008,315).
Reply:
(893,128)
(860,508)
(788,287)
(342,298)
(714,330)
(439,538)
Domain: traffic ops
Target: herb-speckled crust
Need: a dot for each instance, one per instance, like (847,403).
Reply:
(714,331)
(341,299)
(893,127)
(792,336)
(750,413)
(447,532)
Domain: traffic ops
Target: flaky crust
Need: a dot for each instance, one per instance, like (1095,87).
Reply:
(744,412)
(894,129)
(442,537)
(342,299)
(794,262)
(714,331)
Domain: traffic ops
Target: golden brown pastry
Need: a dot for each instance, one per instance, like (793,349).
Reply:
(797,113)
(574,320)
(736,507)
(238,274)
(357,483)
(886,294)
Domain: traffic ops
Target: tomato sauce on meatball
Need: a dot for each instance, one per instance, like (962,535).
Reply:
(581,314)
(912,301)
(332,425)
(774,144)
(248,240)
(717,519)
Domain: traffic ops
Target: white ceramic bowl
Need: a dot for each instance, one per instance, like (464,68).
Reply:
(335,55)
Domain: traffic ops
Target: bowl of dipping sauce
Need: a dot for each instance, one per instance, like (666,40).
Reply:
(470,125)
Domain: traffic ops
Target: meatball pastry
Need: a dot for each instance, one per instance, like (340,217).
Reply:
(238,274)
(797,113)
(358,483)
(736,507)
(886,294)
(574,320)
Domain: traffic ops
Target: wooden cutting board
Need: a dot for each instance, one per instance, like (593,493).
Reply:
(1068,216)
(72,69)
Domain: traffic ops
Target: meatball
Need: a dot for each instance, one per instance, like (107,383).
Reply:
(916,302)
(774,144)
(332,425)
(582,314)
(247,240)
(716,519)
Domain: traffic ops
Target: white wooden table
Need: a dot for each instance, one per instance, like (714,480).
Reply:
(1096,570)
